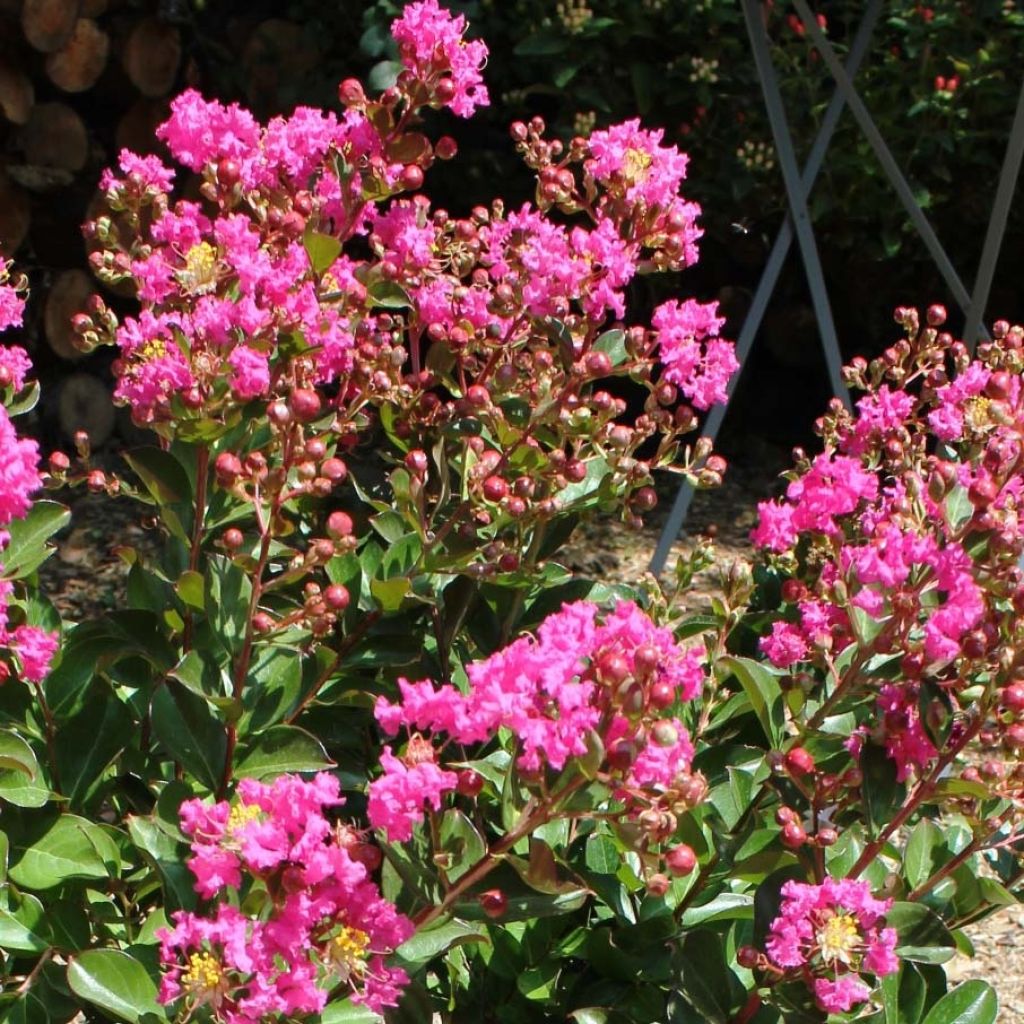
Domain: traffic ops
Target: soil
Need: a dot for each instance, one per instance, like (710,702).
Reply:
(88,575)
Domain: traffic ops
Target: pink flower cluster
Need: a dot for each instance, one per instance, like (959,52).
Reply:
(696,360)
(19,479)
(431,46)
(890,546)
(835,931)
(550,691)
(325,923)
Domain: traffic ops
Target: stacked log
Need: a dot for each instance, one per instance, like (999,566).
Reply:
(79,81)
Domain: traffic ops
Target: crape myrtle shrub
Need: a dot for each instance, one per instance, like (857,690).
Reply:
(358,745)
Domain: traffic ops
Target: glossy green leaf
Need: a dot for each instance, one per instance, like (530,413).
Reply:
(23,923)
(191,734)
(115,982)
(163,475)
(89,742)
(973,1002)
(921,934)
(924,852)
(322,250)
(438,938)
(762,688)
(461,840)
(613,344)
(28,546)
(72,847)
(20,779)
(347,1012)
(283,748)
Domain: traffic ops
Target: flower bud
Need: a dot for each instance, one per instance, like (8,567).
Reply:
(793,835)
(304,404)
(417,462)
(658,884)
(799,761)
(680,860)
(469,783)
(495,488)
(494,902)
(336,597)
(748,957)
(350,92)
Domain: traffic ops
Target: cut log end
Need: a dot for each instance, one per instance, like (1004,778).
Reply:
(55,136)
(67,297)
(49,24)
(17,94)
(152,56)
(15,216)
(78,65)
(85,404)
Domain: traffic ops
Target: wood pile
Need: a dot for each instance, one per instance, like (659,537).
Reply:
(79,81)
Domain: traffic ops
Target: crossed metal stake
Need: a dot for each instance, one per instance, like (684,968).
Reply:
(798,222)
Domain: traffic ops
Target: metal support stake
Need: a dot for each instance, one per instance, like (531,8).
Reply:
(996,225)
(753,13)
(769,278)
(885,157)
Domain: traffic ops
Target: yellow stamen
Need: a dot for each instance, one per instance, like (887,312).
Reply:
(976,412)
(200,272)
(241,815)
(204,977)
(839,939)
(348,951)
(153,349)
(635,164)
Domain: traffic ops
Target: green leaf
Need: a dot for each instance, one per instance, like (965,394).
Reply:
(19,773)
(25,401)
(538,983)
(921,934)
(438,938)
(27,548)
(723,907)
(347,1012)
(23,924)
(388,295)
(382,76)
(28,1009)
(167,857)
(882,792)
(958,507)
(191,734)
(602,856)
(461,840)
(283,748)
(163,475)
(764,693)
(190,588)
(390,593)
(973,1002)
(228,593)
(322,250)
(613,344)
(706,979)
(115,982)
(71,847)
(89,741)
(924,852)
